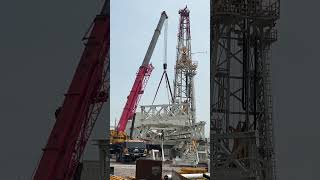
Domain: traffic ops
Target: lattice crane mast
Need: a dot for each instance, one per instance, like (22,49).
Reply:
(75,119)
(139,84)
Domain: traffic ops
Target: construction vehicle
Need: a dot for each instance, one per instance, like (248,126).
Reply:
(119,140)
(76,117)
(130,150)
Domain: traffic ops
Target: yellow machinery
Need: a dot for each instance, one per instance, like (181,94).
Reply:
(122,178)
(192,170)
(117,137)
(126,149)
(117,178)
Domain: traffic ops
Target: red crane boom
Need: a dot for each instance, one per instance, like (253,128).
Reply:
(141,79)
(88,91)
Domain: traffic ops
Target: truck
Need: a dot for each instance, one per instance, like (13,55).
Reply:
(129,150)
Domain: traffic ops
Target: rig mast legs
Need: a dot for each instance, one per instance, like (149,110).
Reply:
(241,127)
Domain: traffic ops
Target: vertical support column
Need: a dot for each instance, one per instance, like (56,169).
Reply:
(107,142)
(104,161)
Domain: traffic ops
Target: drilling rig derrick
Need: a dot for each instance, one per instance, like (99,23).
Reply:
(241,125)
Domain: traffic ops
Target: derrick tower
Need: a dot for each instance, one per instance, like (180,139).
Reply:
(173,124)
(185,68)
(241,128)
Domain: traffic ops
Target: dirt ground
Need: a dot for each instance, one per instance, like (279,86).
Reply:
(129,169)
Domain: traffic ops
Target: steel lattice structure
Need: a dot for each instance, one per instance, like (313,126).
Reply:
(75,119)
(185,68)
(241,128)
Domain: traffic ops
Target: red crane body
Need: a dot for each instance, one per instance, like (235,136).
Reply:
(88,91)
(141,79)
(134,96)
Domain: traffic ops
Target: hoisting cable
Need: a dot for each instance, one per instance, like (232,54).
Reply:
(168,85)
(157,89)
(164,63)
(165,42)
(168,94)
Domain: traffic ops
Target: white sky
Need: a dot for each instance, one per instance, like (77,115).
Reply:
(132,26)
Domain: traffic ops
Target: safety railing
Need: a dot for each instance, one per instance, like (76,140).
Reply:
(254,8)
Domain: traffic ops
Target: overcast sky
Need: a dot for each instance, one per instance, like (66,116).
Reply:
(41,44)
